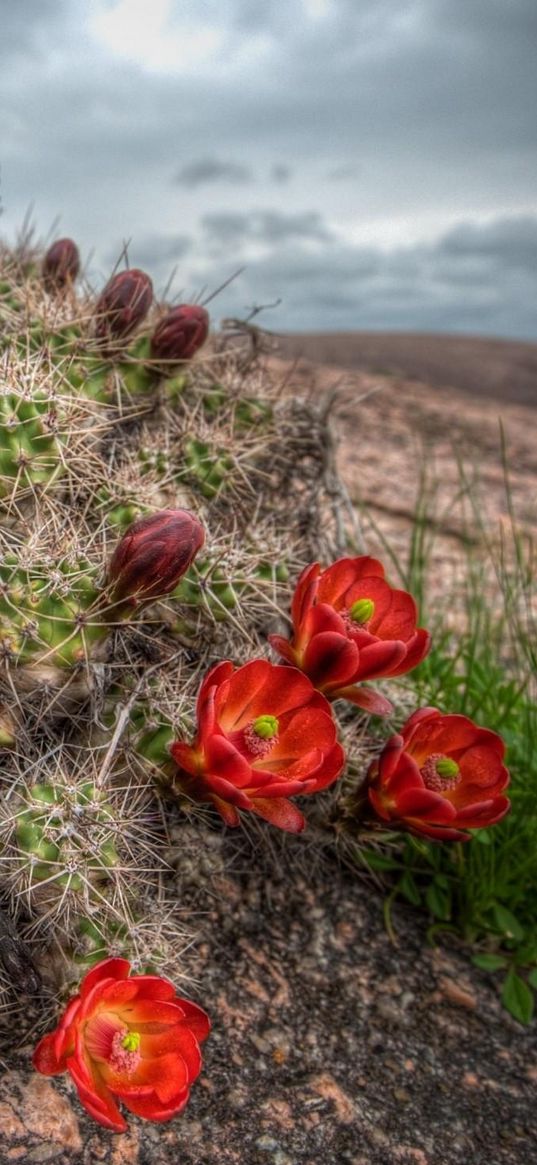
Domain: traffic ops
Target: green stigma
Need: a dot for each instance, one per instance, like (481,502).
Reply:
(446,767)
(362,610)
(266,727)
(131,1042)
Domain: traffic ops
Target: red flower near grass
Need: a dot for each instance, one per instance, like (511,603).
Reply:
(128,1039)
(442,776)
(349,626)
(264,735)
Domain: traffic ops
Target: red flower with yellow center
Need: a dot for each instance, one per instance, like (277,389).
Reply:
(264,735)
(349,625)
(442,776)
(130,1039)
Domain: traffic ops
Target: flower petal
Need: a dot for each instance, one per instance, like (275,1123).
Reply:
(45,1059)
(305,592)
(150,1108)
(281,813)
(330,659)
(227,812)
(379,658)
(284,648)
(336,580)
(224,761)
(421,802)
(365,698)
(107,969)
(96,1097)
(417,649)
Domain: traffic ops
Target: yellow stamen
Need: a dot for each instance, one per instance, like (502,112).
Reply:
(362,610)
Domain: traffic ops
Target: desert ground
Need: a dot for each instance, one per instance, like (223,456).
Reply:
(330,1045)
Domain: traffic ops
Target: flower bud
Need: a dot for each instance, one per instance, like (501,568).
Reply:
(153,555)
(61,264)
(123,304)
(180,333)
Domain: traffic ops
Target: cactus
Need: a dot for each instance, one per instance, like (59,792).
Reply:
(31,440)
(106,422)
(48,611)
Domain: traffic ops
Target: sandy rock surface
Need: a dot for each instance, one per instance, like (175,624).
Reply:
(393,430)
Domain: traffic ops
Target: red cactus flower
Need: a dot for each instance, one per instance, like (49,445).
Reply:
(153,555)
(350,625)
(123,304)
(442,776)
(180,334)
(128,1039)
(264,734)
(61,264)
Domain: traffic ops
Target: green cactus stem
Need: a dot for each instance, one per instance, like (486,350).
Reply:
(31,441)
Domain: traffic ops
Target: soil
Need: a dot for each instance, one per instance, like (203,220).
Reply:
(330,1045)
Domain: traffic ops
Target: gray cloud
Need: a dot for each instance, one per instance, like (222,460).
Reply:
(207,171)
(433,100)
(280,172)
(483,289)
(27,26)
(268,227)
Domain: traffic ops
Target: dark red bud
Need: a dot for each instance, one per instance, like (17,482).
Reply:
(123,304)
(180,333)
(61,264)
(153,554)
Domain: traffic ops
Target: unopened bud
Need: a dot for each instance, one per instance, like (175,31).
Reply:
(61,264)
(180,334)
(153,554)
(123,304)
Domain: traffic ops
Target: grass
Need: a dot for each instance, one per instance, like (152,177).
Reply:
(485,890)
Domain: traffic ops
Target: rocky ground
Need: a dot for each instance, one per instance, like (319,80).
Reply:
(330,1045)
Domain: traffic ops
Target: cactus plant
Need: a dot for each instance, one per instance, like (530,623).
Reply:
(108,421)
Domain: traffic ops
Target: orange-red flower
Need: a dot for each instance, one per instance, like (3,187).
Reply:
(442,776)
(349,626)
(264,735)
(128,1039)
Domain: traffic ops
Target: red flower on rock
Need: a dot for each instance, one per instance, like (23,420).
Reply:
(442,776)
(264,735)
(349,626)
(180,334)
(128,1039)
(153,555)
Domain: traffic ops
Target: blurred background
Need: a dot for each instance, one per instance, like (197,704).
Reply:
(369,163)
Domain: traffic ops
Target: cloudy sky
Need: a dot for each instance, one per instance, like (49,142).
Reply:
(372,163)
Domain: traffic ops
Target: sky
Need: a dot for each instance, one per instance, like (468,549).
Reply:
(371,164)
